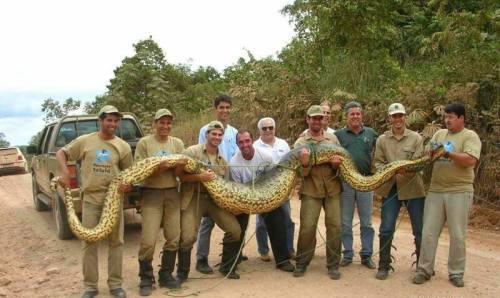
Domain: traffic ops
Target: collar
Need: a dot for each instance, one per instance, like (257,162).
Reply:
(205,151)
(390,134)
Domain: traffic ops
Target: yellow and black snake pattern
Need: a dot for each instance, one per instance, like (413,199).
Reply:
(265,194)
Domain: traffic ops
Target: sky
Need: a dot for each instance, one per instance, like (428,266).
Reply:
(60,49)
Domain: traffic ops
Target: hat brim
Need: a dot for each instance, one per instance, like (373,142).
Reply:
(316,114)
(397,112)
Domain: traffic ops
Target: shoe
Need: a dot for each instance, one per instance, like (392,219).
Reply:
(90,294)
(286,266)
(244,258)
(382,274)
(230,275)
(299,271)
(118,293)
(265,258)
(420,278)
(345,262)
(203,267)
(292,255)
(457,281)
(334,273)
(368,262)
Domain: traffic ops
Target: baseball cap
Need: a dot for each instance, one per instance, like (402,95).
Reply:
(215,125)
(109,109)
(396,108)
(162,112)
(315,110)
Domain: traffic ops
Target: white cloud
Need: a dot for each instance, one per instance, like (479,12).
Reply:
(61,49)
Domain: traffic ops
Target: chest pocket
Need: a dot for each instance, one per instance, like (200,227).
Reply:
(408,152)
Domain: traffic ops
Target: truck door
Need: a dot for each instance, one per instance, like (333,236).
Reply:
(43,162)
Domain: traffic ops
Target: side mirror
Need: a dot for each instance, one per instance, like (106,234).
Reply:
(32,149)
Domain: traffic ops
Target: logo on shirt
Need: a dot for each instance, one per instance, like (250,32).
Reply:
(162,152)
(102,156)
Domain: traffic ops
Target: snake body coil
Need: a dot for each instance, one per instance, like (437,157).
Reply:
(268,192)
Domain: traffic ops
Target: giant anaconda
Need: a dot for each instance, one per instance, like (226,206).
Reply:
(265,194)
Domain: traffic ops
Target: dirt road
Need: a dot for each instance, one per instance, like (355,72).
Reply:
(34,263)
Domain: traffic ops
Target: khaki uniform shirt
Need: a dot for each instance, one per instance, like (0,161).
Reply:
(101,161)
(319,181)
(150,146)
(447,176)
(215,162)
(391,148)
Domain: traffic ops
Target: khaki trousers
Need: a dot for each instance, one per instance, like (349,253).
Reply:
(453,208)
(310,209)
(91,214)
(160,209)
(202,205)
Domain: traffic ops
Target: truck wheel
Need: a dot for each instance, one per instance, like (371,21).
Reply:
(39,205)
(63,230)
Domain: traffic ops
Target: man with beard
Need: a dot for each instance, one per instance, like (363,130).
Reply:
(450,196)
(320,189)
(196,203)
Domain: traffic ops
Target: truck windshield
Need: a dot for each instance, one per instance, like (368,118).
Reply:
(71,130)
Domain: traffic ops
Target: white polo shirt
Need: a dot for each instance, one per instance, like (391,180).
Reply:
(277,150)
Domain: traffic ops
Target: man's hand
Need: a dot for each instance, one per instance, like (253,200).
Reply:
(207,176)
(125,187)
(448,147)
(336,161)
(64,180)
(401,172)
(304,156)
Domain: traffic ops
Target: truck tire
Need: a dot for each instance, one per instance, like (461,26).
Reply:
(62,227)
(39,205)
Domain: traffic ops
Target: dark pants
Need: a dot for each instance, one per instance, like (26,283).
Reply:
(390,211)
(276,228)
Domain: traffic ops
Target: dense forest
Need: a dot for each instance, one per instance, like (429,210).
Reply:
(423,54)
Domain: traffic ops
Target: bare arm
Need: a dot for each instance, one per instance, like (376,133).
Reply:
(462,159)
(62,160)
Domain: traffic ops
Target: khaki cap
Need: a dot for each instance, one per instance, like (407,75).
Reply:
(162,112)
(396,108)
(109,109)
(215,125)
(315,110)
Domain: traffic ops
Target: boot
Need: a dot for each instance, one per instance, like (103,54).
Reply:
(147,277)
(384,264)
(165,278)
(183,264)
(203,267)
(229,256)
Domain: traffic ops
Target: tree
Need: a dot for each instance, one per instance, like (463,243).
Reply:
(54,110)
(3,142)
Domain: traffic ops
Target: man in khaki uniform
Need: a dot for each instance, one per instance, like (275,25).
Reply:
(196,203)
(450,195)
(406,188)
(160,205)
(320,189)
(102,156)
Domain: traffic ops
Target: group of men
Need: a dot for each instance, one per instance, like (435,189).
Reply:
(177,202)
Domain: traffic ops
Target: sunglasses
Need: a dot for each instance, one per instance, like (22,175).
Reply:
(266,128)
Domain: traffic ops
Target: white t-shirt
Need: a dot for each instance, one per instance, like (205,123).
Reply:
(277,150)
(243,171)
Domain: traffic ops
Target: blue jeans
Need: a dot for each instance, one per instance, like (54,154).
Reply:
(352,198)
(204,234)
(390,211)
(261,231)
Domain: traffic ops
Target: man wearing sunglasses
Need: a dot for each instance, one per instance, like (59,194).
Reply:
(276,147)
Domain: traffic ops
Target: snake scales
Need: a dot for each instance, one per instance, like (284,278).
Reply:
(265,194)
